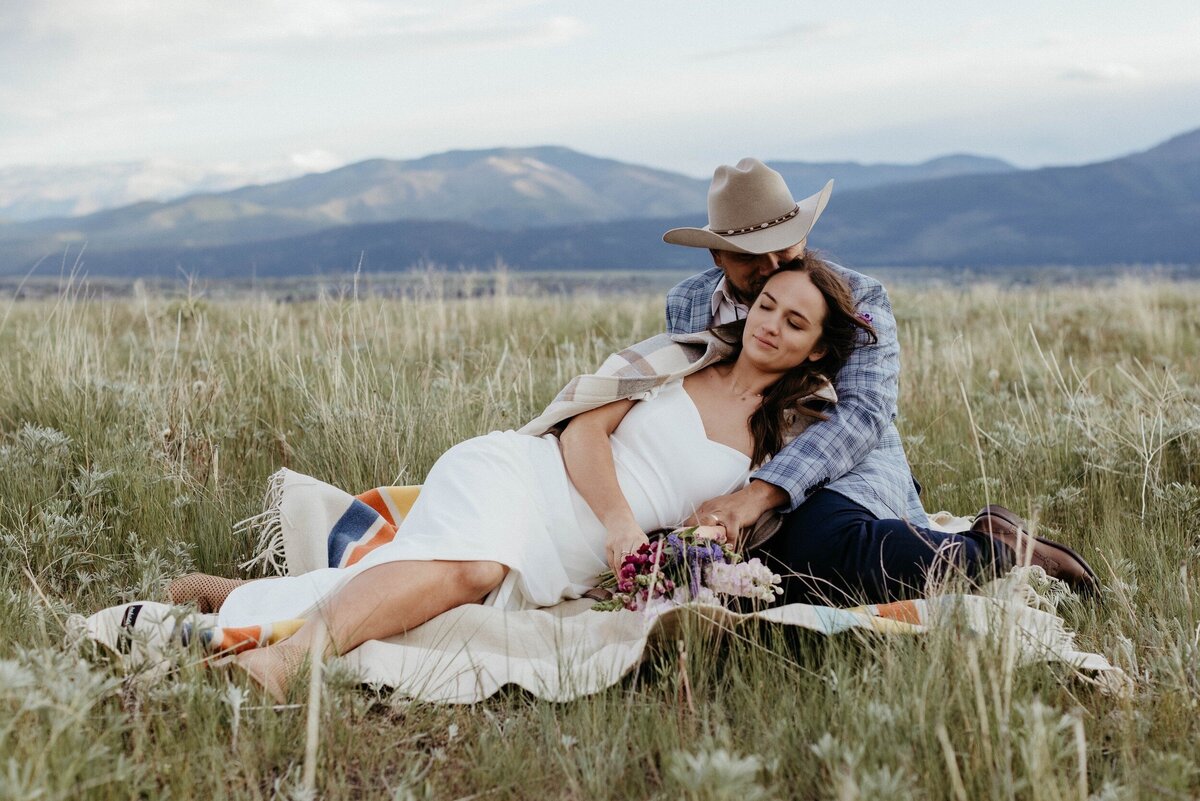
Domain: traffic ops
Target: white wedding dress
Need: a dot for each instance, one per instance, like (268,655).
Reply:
(505,497)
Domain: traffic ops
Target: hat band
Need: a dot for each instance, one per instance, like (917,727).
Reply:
(760,226)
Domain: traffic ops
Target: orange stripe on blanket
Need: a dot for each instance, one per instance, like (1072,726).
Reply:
(383,536)
(901,611)
(236,640)
(374,498)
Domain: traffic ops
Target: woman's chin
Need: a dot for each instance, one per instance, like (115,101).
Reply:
(760,351)
(759,357)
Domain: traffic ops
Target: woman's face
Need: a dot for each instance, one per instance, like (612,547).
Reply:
(783,327)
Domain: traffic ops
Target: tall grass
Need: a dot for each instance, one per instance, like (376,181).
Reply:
(134,431)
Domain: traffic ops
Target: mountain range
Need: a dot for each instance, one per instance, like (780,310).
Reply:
(554,208)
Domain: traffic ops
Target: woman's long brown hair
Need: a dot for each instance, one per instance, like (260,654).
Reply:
(841,332)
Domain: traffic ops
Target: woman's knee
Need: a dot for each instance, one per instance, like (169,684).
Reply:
(477,579)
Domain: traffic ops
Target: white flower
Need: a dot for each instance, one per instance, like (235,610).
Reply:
(750,579)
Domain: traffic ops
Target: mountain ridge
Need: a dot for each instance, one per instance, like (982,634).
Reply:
(611,176)
(1140,207)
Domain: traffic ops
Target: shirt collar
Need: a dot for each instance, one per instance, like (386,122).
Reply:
(722,295)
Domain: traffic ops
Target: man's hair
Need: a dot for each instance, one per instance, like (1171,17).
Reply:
(842,331)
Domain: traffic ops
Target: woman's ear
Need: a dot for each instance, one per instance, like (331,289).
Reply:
(817,353)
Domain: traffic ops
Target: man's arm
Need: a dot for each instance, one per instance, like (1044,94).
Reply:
(676,311)
(689,303)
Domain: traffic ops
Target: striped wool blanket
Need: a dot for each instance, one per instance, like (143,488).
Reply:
(564,651)
(644,366)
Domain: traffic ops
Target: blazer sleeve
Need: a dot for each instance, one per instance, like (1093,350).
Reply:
(678,307)
(688,303)
(866,388)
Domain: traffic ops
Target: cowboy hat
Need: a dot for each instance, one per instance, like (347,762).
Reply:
(751,210)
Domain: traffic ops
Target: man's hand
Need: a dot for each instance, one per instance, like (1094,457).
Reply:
(740,510)
(622,539)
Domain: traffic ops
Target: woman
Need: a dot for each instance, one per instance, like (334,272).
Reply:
(531,520)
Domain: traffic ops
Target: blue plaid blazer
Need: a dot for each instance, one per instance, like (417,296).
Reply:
(856,452)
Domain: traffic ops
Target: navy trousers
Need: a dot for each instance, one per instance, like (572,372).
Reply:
(830,550)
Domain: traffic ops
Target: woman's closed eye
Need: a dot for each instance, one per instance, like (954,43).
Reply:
(798,322)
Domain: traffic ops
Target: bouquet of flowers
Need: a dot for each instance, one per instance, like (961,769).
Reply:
(683,566)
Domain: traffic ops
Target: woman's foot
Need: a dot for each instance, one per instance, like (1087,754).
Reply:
(207,592)
(273,668)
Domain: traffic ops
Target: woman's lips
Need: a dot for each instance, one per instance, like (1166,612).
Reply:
(765,343)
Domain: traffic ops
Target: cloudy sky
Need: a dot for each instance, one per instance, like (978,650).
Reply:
(679,85)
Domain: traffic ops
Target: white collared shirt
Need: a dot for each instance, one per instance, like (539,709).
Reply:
(724,308)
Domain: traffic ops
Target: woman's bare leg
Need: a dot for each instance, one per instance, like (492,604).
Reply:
(378,603)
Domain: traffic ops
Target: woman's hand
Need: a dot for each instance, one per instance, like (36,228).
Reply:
(622,540)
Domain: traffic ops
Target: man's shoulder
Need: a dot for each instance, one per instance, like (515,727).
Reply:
(856,279)
(699,282)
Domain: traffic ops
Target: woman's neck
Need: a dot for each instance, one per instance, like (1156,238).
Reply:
(746,380)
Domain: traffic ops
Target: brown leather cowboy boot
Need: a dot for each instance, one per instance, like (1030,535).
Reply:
(1057,560)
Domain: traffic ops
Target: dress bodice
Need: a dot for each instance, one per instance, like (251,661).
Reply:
(666,464)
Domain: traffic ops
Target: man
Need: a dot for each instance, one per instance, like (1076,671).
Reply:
(855,528)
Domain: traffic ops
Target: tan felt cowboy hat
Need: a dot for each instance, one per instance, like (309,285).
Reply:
(751,210)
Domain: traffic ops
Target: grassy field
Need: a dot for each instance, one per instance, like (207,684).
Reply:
(134,431)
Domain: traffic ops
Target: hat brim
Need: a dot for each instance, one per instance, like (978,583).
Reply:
(767,240)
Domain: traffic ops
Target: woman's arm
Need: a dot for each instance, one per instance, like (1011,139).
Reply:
(587,454)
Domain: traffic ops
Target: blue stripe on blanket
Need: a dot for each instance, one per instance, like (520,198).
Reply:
(349,529)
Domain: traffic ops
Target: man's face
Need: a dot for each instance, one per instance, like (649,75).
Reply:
(745,273)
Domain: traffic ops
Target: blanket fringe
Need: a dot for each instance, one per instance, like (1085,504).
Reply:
(1030,586)
(267,529)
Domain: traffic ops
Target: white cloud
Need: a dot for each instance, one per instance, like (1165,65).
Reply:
(116,23)
(248,80)
(1101,73)
(152,67)
(793,36)
(316,161)
(456,33)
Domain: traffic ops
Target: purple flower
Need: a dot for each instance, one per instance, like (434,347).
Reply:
(694,578)
(675,548)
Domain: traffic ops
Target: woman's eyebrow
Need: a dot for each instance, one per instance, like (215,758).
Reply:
(795,312)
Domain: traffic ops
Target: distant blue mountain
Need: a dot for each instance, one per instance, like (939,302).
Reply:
(806,177)
(1136,209)
(1143,208)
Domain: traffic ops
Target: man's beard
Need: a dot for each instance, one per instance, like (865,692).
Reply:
(746,299)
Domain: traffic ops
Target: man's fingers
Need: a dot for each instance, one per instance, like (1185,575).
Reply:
(710,516)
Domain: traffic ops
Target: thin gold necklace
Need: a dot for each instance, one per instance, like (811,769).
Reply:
(741,394)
